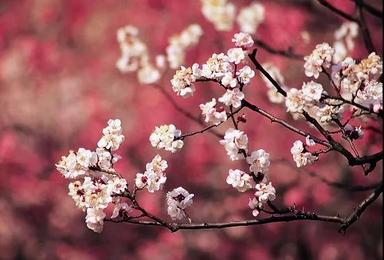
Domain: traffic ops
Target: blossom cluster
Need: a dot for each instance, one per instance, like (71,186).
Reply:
(213,115)
(94,182)
(135,55)
(300,154)
(235,143)
(222,14)
(360,81)
(250,17)
(320,58)
(222,68)
(180,42)
(154,177)
(264,193)
(178,200)
(308,99)
(344,40)
(166,137)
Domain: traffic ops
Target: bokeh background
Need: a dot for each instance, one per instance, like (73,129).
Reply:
(59,86)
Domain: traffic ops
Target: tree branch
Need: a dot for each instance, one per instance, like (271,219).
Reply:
(355,215)
(258,66)
(283,123)
(338,11)
(284,53)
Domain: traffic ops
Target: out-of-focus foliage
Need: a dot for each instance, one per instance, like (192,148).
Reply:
(59,85)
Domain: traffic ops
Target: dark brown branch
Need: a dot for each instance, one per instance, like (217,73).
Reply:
(258,66)
(372,10)
(342,186)
(371,160)
(339,98)
(338,11)
(284,53)
(363,27)
(252,222)
(282,122)
(355,215)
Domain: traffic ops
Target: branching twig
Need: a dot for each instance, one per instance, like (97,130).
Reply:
(355,215)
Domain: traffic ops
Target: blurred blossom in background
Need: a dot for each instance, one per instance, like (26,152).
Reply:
(59,85)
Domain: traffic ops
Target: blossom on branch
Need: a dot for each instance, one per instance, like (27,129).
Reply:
(243,40)
(154,177)
(96,182)
(301,156)
(182,82)
(258,161)
(212,114)
(178,200)
(239,180)
(320,58)
(235,143)
(166,137)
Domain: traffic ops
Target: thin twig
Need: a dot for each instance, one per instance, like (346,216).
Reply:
(183,111)
(338,11)
(283,123)
(355,215)
(284,53)
(363,27)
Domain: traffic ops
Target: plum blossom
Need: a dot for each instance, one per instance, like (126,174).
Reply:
(148,74)
(235,141)
(182,82)
(255,205)
(232,97)
(251,17)
(76,164)
(265,192)
(216,67)
(112,135)
(165,137)
(154,177)
(258,161)
(319,58)
(236,55)
(119,207)
(178,200)
(220,13)
(179,43)
(243,40)
(133,50)
(294,101)
(326,113)
(211,114)
(245,74)
(312,91)
(95,219)
(344,40)
(300,156)
(239,180)
(229,80)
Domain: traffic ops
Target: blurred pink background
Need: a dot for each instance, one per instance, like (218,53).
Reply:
(59,86)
